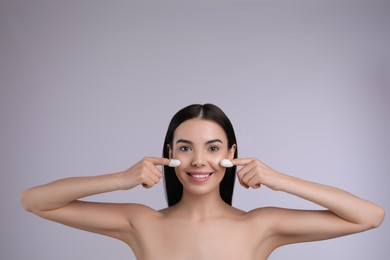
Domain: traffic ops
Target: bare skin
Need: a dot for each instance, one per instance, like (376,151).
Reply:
(201,225)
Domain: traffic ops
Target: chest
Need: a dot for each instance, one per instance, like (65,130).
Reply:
(218,239)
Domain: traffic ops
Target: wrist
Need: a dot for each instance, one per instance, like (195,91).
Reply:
(123,181)
(278,181)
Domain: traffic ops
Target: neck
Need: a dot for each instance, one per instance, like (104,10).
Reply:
(203,206)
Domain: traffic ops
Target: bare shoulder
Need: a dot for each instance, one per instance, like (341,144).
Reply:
(264,213)
(267,217)
(270,212)
(140,208)
(139,211)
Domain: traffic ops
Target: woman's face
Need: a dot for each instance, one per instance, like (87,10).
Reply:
(200,145)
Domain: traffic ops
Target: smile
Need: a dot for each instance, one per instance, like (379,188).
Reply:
(199,176)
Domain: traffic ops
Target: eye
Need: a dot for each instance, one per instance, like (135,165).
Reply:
(214,148)
(184,148)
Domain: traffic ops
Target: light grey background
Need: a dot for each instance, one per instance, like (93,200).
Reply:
(88,87)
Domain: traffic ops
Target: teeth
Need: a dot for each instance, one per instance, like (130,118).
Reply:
(197,176)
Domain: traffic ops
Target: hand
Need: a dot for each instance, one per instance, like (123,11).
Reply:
(254,173)
(144,172)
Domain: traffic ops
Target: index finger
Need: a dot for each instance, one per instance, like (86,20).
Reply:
(242,161)
(163,161)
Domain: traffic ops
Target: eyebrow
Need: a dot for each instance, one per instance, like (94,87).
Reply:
(208,142)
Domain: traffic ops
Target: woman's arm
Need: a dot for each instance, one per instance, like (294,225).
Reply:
(346,213)
(59,200)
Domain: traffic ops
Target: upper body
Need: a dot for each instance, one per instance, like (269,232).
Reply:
(202,225)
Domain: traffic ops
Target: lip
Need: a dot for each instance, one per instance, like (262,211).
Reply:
(199,176)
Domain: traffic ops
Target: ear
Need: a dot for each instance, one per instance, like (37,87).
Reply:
(169,151)
(232,150)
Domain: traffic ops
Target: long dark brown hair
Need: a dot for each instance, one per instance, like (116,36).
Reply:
(173,187)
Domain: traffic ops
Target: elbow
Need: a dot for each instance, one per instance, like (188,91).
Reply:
(380,217)
(377,218)
(25,201)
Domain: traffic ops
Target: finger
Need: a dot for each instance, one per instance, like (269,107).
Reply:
(149,173)
(154,171)
(154,175)
(240,179)
(150,180)
(148,185)
(243,184)
(151,177)
(163,161)
(245,170)
(250,181)
(254,182)
(247,177)
(255,185)
(146,167)
(245,174)
(147,182)
(158,160)
(242,161)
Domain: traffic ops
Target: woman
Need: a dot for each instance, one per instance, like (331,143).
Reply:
(200,222)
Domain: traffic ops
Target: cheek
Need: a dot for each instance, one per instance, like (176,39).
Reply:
(183,157)
(185,161)
(215,160)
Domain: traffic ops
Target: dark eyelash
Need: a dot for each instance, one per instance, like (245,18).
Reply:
(214,148)
(184,148)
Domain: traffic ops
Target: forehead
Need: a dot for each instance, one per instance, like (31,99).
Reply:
(198,128)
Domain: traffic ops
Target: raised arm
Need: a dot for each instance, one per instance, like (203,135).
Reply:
(346,212)
(59,200)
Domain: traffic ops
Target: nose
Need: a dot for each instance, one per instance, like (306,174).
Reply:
(198,160)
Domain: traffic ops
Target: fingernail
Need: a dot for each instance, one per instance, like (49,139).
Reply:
(226,163)
(174,163)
